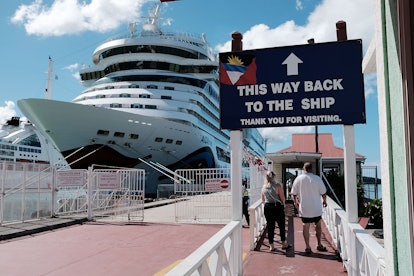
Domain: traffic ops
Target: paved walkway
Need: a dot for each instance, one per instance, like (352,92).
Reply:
(66,246)
(294,261)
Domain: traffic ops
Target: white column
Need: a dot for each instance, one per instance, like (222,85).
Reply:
(236,137)
(351,198)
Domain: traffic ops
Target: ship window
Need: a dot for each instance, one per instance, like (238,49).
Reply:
(169,88)
(179,142)
(223,155)
(100,96)
(158,139)
(109,87)
(32,140)
(169,141)
(119,134)
(125,95)
(133,86)
(136,105)
(133,136)
(103,132)
(150,106)
(166,97)
(115,105)
(144,96)
(152,86)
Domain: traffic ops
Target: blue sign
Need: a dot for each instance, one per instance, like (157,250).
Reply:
(312,84)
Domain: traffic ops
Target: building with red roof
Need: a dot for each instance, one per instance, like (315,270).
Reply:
(319,149)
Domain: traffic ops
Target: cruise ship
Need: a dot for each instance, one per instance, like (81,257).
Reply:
(21,142)
(151,97)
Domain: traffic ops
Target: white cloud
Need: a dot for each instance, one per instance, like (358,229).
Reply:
(76,76)
(299,5)
(370,81)
(7,111)
(72,67)
(73,17)
(276,135)
(321,25)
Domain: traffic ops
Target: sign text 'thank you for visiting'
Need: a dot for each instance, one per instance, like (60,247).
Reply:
(312,84)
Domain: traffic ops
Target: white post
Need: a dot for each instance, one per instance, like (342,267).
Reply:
(236,137)
(90,182)
(54,191)
(351,200)
(3,182)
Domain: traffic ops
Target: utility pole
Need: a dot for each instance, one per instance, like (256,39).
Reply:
(312,41)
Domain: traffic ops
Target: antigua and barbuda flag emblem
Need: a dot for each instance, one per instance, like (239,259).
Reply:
(237,69)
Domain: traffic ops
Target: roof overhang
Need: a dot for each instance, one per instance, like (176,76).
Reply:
(293,157)
(341,159)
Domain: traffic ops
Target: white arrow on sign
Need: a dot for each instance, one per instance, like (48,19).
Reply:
(292,66)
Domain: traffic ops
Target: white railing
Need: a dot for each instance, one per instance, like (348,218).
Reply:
(207,193)
(26,191)
(257,223)
(33,191)
(361,254)
(217,256)
(204,208)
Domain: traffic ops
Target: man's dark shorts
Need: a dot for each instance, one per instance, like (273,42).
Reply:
(310,220)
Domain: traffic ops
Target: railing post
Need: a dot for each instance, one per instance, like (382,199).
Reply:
(23,198)
(90,196)
(3,181)
(54,191)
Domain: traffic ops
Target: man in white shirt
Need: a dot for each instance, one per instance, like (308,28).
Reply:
(309,196)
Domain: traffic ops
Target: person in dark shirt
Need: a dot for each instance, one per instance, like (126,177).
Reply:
(246,199)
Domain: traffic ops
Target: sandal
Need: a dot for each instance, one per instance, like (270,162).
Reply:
(308,250)
(321,248)
(286,246)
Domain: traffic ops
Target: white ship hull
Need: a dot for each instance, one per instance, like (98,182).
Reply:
(89,135)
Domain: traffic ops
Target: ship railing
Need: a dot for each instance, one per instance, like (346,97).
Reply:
(181,35)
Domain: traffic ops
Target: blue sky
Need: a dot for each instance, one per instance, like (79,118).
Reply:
(69,30)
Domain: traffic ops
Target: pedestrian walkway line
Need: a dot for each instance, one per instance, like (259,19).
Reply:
(171,266)
(168,268)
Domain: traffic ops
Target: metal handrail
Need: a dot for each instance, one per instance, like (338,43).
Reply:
(333,192)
